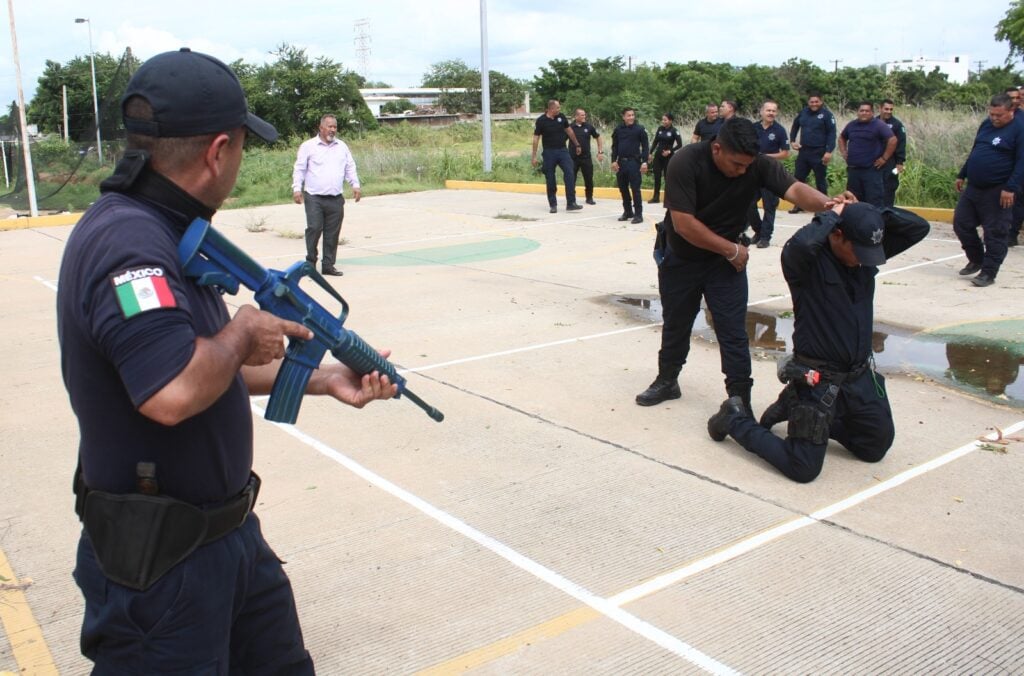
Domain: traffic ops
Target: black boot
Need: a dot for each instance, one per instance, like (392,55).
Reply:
(778,411)
(741,389)
(662,389)
(718,424)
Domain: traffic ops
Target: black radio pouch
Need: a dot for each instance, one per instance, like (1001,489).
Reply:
(138,538)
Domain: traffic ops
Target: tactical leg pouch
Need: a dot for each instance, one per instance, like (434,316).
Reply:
(810,423)
(138,538)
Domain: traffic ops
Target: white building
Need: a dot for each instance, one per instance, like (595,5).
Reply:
(418,96)
(956,68)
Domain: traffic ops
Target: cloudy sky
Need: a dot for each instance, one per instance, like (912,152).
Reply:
(407,36)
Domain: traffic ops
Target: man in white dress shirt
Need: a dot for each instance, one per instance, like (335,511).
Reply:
(323,165)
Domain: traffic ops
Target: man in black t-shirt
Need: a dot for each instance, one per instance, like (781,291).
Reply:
(707,126)
(708,189)
(584,131)
(554,128)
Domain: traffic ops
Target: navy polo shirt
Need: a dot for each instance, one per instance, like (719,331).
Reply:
(551,131)
(694,185)
(865,142)
(817,129)
(127,320)
(773,139)
(997,158)
(629,142)
(900,131)
(584,132)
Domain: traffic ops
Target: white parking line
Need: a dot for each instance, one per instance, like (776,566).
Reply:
(601,605)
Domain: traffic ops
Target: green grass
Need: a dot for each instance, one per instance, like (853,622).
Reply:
(408,158)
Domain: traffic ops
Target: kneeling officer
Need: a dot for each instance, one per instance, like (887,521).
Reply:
(832,391)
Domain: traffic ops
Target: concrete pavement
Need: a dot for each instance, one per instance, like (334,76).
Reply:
(550,525)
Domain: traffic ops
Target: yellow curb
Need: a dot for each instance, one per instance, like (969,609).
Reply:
(39,221)
(927,213)
(24,634)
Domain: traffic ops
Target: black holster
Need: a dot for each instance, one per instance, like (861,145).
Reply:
(138,538)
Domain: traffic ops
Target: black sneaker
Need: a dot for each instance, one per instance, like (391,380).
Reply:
(590,200)
(763,243)
(778,410)
(970,268)
(718,424)
(333,272)
(659,391)
(637,219)
(573,207)
(553,210)
(626,216)
(796,210)
(654,200)
(983,279)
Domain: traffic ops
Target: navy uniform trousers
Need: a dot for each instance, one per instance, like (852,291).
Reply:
(682,284)
(227,608)
(862,423)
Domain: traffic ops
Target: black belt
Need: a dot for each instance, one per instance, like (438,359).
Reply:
(228,516)
(833,372)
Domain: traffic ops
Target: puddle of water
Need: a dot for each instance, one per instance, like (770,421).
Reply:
(985,366)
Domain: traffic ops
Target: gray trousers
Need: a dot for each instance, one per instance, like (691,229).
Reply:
(324,214)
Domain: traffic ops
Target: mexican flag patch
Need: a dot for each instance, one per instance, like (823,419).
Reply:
(141,289)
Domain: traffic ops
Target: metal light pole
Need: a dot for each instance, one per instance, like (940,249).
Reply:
(485,86)
(33,207)
(95,100)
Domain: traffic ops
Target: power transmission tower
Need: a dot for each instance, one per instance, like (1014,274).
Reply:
(362,42)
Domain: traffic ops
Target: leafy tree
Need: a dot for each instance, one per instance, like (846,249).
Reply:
(561,77)
(293,93)
(506,93)
(47,107)
(1011,29)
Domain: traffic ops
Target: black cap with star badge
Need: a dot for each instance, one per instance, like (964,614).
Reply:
(863,225)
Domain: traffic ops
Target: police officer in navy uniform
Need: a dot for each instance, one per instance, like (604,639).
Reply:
(709,187)
(894,167)
(816,126)
(630,149)
(867,144)
(667,141)
(584,131)
(707,127)
(773,142)
(176,575)
(993,174)
(832,390)
(555,129)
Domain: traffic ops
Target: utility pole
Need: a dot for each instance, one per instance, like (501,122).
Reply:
(485,86)
(835,64)
(95,100)
(981,62)
(33,208)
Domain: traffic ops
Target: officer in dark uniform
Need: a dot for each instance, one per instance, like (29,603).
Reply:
(584,131)
(773,142)
(707,127)
(832,390)
(894,167)
(816,126)
(630,150)
(554,128)
(993,174)
(667,141)
(867,144)
(709,187)
(176,575)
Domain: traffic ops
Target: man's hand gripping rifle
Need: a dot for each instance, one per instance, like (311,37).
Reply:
(213,260)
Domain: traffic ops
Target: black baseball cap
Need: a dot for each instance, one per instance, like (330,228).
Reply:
(863,225)
(191,94)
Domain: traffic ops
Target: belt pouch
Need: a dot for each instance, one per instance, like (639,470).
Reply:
(138,538)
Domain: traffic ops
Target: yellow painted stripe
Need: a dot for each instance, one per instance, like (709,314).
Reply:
(506,646)
(39,221)
(23,633)
(928,213)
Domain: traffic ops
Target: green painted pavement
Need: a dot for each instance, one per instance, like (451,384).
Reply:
(1007,334)
(473,252)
